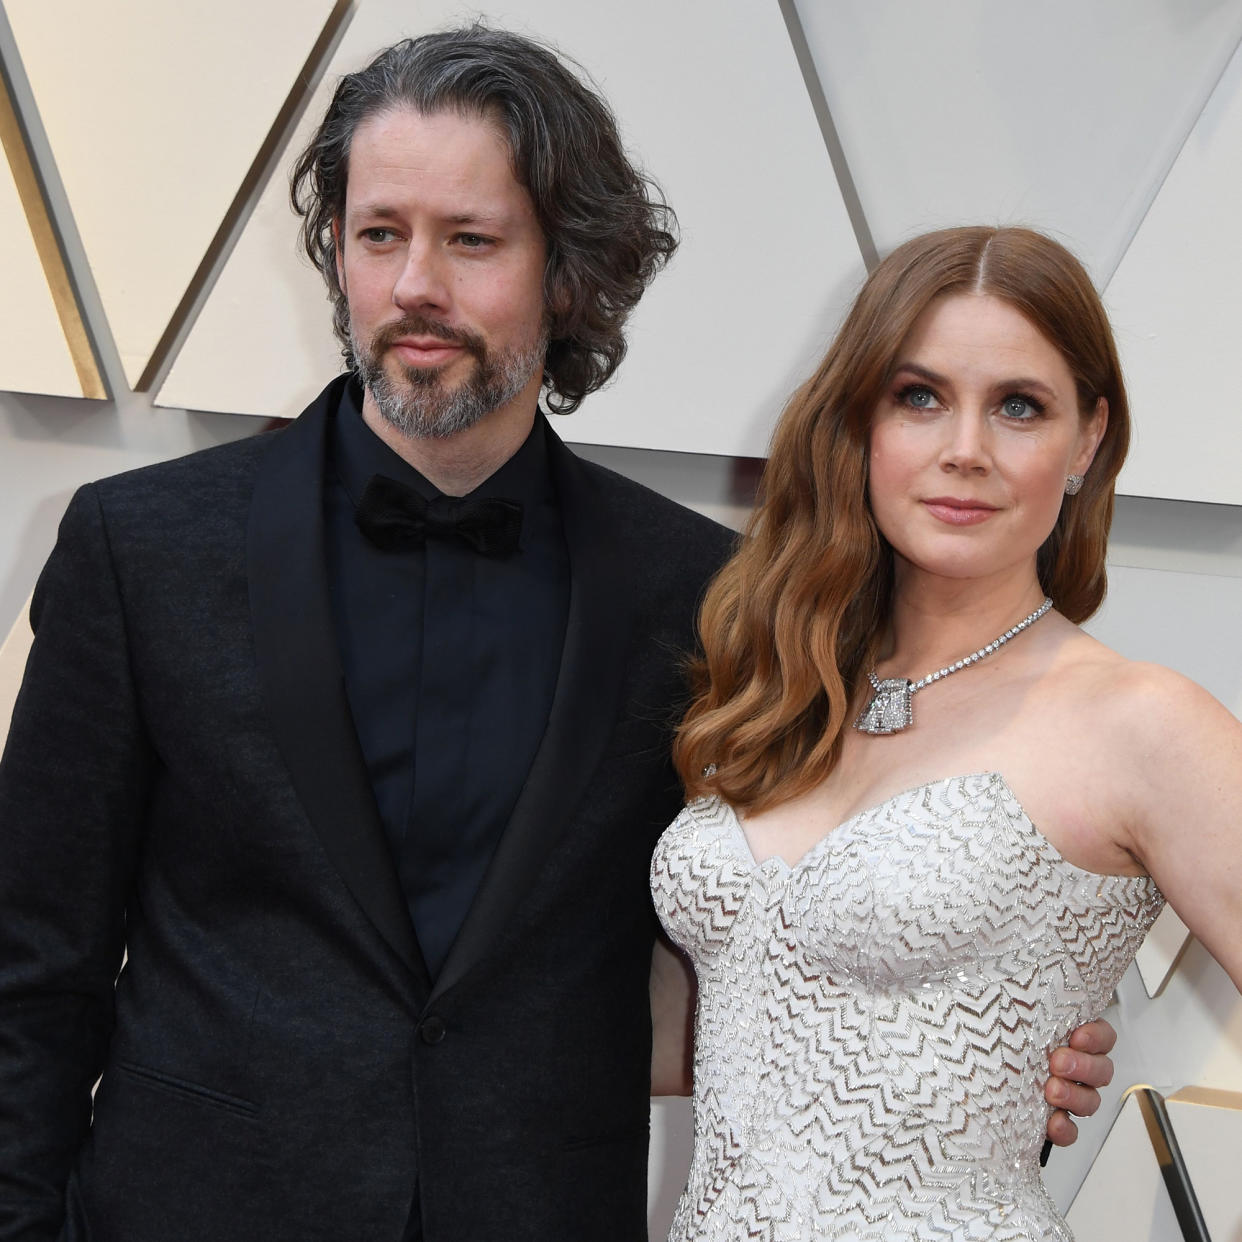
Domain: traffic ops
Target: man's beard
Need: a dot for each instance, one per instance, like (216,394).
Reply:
(420,405)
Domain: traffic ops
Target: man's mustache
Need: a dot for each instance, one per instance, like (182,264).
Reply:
(418,325)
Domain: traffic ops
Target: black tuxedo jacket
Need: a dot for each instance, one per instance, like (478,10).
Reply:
(182,782)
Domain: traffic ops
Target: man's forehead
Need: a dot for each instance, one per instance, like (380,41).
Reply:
(487,119)
(392,153)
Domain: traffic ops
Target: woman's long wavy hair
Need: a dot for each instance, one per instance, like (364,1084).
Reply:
(608,229)
(792,622)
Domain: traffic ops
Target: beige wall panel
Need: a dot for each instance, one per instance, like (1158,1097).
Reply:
(1176,303)
(13,652)
(716,108)
(34,355)
(154,112)
(1209,1129)
(262,343)
(1124,1195)
(1159,953)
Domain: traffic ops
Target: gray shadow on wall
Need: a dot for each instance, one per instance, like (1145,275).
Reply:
(672,1141)
(33,545)
(817,336)
(54,444)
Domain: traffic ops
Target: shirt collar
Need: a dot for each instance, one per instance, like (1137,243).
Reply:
(358,453)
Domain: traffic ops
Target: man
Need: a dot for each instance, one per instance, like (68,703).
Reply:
(355,736)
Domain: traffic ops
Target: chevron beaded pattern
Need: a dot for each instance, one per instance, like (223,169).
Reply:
(873,1023)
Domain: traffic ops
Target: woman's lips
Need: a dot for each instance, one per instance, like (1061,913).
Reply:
(957,512)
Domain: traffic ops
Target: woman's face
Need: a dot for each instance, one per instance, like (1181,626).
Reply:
(973,439)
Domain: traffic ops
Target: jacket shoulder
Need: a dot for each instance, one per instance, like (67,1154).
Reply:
(191,506)
(223,465)
(222,473)
(667,534)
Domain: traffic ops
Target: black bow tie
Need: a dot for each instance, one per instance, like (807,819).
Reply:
(395,517)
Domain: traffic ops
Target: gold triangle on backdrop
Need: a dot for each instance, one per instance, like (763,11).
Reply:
(25,364)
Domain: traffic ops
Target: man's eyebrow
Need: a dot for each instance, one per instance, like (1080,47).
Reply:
(379,211)
(382,211)
(491,219)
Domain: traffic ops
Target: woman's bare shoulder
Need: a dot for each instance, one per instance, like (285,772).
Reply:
(1142,704)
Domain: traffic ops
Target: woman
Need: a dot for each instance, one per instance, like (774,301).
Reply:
(933,818)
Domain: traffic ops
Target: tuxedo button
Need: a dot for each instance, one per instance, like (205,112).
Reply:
(431,1031)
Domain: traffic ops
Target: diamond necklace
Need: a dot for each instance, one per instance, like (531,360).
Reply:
(890,710)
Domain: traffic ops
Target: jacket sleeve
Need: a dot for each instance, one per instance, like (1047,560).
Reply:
(73,782)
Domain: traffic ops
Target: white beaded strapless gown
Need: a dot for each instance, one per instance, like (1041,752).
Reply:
(874,1023)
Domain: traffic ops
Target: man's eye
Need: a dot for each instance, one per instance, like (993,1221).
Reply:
(377,236)
(472,241)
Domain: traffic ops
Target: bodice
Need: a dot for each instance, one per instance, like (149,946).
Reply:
(873,1023)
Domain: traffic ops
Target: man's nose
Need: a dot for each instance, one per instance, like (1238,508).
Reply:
(422,281)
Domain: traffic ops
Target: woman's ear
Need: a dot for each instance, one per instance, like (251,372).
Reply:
(1090,433)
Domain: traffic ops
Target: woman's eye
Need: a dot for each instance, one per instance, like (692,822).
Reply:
(918,397)
(1020,407)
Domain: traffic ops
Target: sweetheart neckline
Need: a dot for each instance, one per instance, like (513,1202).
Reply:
(993,777)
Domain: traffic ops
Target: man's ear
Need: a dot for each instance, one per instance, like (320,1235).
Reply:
(340,253)
(557,302)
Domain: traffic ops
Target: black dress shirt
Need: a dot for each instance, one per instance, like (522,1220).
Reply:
(450,662)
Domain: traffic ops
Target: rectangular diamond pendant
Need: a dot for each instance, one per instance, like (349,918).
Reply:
(890,709)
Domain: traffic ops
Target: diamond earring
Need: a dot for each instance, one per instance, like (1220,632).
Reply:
(1073,484)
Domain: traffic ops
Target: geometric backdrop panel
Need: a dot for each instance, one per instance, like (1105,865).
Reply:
(717,108)
(1117,127)
(1124,1195)
(1176,302)
(1063,115)
(14,648)
(714,106)
(154,112)
(1159,954)
(43,345)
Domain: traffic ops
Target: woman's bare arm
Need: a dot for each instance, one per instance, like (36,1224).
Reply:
(1185,809)
(672,1021)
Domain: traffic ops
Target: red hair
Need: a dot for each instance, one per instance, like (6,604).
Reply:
(791,622)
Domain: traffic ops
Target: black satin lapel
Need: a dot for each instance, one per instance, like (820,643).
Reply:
(300,671)
(584,709)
